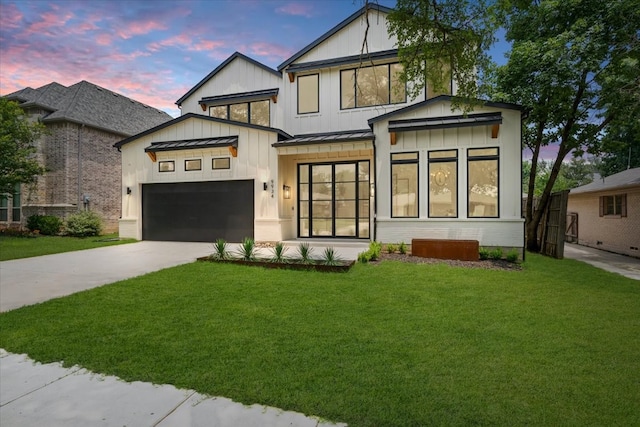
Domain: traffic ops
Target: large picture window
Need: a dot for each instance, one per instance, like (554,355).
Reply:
(443,183)
(369,86)
(308,94)
(483,183)
(256,113)
(404,185)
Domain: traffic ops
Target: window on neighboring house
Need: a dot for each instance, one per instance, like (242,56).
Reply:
(309,94)
(482,183)
(443,183)
(17,204)
(615,205)
(369,86)
(167,166)
(14,200)
(256,112)
(193,165)
(4,207)
(404,185)
(221,163)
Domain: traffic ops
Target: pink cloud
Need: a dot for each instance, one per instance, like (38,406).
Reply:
(185,41)
(10,17)
(206,45)
(49,21)
(140,28)
(296,9)
(270,50)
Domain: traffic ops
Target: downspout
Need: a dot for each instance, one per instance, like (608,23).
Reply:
(375,190)
(80,198)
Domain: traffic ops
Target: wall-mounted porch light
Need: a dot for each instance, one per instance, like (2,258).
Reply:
(372,190)
(128,190)
(265,186)
(286,191)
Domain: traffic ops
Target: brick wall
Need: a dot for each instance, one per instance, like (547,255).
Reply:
(611,233)
(80,161)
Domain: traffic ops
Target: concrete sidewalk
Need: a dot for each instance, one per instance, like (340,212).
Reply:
(33,394)
(615,263)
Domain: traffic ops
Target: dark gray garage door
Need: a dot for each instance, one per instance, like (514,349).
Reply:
(198,211)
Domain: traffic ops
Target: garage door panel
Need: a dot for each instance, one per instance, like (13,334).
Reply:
(198,211)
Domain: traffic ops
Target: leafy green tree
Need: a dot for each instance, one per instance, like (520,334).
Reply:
(620,149)
(441,39)
(574,65)
(17,138)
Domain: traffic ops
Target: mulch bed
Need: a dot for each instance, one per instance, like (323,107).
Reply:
(489,264)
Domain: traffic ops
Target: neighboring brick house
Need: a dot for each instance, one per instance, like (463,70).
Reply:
(608,213)
(83,170)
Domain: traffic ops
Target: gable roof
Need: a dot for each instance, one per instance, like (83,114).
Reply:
(281,133)
(221,67)
(438,99)
(628,178)
(91,105)
(332,31)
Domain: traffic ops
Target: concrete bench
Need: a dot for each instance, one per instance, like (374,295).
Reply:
(465,250)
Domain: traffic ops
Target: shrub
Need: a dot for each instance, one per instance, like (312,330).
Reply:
(513,255)
(375,248)
(364,257)
(82,224)
(330,257)
(484,253)
(247,250)
(403,248)
(48,225)
(304,251)
(220,248)
(496,253)
(278,253)
(391,248)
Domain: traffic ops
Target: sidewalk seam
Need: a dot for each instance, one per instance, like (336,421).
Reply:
(41,387)
(174,409)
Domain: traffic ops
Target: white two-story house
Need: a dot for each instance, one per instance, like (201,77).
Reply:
(327,146)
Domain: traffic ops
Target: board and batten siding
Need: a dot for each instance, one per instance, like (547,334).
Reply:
(506,231)
(237,77)
(256,160)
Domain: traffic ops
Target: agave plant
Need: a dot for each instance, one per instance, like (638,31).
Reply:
(330,257)
(304,251)
(220,248)
(247,250)
(278,253)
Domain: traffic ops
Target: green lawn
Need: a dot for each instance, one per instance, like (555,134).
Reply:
(26,247)
(391,344)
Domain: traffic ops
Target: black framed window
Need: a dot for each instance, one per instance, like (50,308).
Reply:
(309,94)
(4,207)
(221,163)
(256,112)
(193,165)
(483,188)
(443,184)
(370,86)
(167,166)
(404,185)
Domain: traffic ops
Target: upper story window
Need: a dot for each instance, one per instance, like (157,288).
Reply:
(256,112)
(309,94)
(369,86)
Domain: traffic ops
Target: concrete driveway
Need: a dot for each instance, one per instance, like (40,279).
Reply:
(615,263)
(32,280)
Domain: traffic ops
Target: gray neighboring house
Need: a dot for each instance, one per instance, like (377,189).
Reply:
(608,213)
(84,171)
